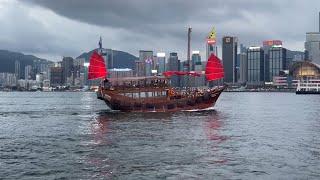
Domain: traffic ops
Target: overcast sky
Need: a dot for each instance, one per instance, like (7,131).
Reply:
(55,28)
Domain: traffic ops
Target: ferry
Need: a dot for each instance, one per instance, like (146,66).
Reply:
(309,86)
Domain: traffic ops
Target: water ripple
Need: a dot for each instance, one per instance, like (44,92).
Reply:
(74,136)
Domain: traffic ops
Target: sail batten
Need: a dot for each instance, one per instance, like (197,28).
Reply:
(97,67)
(214,68)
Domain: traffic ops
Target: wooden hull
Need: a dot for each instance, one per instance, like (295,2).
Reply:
(160,104)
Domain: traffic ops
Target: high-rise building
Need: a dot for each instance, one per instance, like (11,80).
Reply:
(195,59)
(155,65)
(276,62)
(109,58)
(255,56)
(161,63)
(174,65)
(243,67)
(85,73)
(274,59)
(67,65)
(294,56)
(107,55)
(27,72)
(185,81)
(8,79)
(56,76)
(243,49)
(79,72)
(146,57)
(17,70)
(312,46)
(140,69)
(211,47)
(201,80)
(120,72)
(229,58)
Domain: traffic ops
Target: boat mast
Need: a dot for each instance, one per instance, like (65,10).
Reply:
(100,46)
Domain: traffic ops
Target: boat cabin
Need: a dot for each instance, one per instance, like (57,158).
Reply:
(129,83)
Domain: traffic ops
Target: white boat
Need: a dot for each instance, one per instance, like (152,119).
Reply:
(309,86)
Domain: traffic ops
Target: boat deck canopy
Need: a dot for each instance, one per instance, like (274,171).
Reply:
(129,79)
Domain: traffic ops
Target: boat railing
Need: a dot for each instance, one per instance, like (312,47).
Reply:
(154,95)
(308,85)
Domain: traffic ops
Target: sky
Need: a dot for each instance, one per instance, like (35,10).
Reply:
(52,29)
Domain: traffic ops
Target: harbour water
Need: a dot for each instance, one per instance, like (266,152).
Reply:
(68,135)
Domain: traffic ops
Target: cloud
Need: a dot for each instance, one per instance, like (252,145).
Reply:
(69,27)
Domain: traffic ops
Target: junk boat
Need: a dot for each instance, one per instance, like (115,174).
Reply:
(309,86)
(154,93)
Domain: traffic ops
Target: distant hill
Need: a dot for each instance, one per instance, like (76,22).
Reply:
(8,58)
(120,59)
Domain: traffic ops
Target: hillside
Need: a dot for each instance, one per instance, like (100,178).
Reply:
(8,58)
(120,59)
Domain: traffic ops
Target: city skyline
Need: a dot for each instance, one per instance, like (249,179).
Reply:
(64,28)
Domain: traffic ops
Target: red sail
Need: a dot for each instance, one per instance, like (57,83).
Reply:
(97,67)
(214,68)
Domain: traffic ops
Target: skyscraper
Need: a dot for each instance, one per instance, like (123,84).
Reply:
(276,62)
(67,66)
(161,62)
(146,57)
(255,56)
(312,46)
(274,59)
(211,43)
(140,68)
(78,71)
(107,55)
(17,69)
(27,72)
(184,81)
(242,62)
(56,76)
(174,65)
(195,59)
(229,58)
(243,67)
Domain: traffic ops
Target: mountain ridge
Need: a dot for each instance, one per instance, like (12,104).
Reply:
(8,58)
(121,59)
